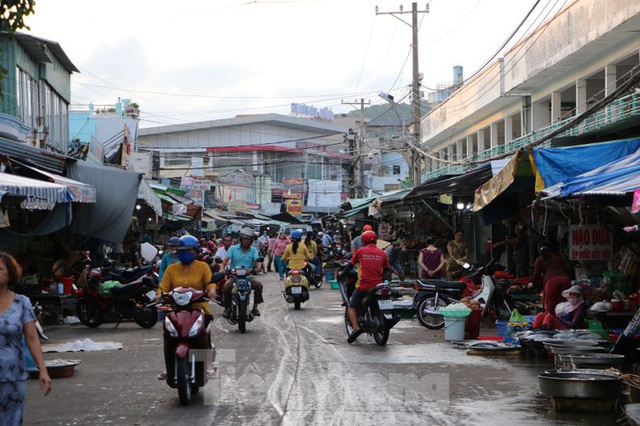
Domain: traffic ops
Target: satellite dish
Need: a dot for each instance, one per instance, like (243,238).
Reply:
(374,153)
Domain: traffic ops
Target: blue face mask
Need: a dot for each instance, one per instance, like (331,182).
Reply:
(186,257)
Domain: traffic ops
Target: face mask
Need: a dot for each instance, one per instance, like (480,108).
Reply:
(186,257)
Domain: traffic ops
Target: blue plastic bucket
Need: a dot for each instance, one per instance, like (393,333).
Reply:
(330,275)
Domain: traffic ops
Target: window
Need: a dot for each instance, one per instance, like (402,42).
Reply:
(396,169)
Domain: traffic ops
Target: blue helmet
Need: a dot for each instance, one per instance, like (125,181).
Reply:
(189,242)
(296,235)
(173,242)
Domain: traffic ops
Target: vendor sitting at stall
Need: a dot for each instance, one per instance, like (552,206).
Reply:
(571,317)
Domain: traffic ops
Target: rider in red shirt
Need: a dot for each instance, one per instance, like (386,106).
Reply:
(372,263)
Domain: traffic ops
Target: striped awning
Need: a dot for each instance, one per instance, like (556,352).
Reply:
(83,193)
(40,195)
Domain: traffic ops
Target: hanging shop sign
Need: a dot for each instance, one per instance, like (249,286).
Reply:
(294,207)
(590,242)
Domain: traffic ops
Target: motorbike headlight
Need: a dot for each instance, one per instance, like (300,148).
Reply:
(182,299)
(168,326)
(195,327)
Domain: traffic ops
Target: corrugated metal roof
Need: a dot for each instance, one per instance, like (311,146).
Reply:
(34,47)
(31,156)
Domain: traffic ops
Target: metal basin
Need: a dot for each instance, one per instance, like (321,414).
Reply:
(596,384)
(603,359)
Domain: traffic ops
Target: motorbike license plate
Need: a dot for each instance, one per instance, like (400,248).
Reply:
(151,294)
(296,290)
(385,305)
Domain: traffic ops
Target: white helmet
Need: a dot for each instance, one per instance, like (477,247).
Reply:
(246,233)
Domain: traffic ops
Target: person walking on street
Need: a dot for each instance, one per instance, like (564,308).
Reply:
(270,261)
(431,260)
(550,274)
(278,250)
(17,321)
(393,253)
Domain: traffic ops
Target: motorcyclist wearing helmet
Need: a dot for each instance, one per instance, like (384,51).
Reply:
(243,254)
(189,272)
(356,243)
(372,263)
(296,253)
(170,257)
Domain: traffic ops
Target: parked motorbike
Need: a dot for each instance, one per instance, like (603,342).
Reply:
(187,342)
(241,298)
(129,301)
(375,314)
(431,295)
(296,288)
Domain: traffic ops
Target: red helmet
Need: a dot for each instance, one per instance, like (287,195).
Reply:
(369,237)
(366,228)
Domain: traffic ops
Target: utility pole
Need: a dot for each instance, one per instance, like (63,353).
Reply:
(416,163)
(359,148)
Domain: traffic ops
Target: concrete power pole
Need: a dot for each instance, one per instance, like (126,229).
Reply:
(416,163)
(361,193)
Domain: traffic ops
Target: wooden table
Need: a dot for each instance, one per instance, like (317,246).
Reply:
(54,305)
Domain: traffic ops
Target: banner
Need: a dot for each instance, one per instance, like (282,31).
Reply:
(590,242)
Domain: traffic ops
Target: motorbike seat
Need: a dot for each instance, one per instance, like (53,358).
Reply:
(123,290)
(442,284)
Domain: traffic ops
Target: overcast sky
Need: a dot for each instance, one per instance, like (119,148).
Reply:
(217,59)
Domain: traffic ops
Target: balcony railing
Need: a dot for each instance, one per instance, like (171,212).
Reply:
(618,110)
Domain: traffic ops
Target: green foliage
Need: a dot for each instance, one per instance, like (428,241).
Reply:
(12,14)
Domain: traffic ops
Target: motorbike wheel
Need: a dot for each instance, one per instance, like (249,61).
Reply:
(147,317)
(317,282)
(432,322)
(184,387)
(382,336)
(89,313)
(242,317)
(347,323)
(296,304)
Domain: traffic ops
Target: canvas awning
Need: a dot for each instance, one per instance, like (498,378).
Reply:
(83,193)
(146,193)
(617,178)
(40,195)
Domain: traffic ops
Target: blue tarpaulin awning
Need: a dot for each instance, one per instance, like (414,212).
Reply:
(617,178)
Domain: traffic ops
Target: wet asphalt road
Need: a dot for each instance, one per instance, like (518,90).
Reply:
(296,368)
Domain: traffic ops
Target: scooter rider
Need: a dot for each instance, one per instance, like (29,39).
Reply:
(189,272)
(373,262)
(296,253)
(170,257)
(243,254)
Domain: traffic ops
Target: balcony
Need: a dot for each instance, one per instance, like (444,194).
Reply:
(617,111)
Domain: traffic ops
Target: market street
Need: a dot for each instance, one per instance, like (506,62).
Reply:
(294,368)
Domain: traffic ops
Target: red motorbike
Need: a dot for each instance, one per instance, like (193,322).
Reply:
(188,350)
(97,304)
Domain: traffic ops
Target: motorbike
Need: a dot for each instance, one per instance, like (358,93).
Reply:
(241,298)
(375,314)
(188,349)
(309,272)
(129,301)
(296,288)
(431,295)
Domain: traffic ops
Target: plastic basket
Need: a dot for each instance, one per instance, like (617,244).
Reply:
(330,275)
(334,285)
(501,328)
